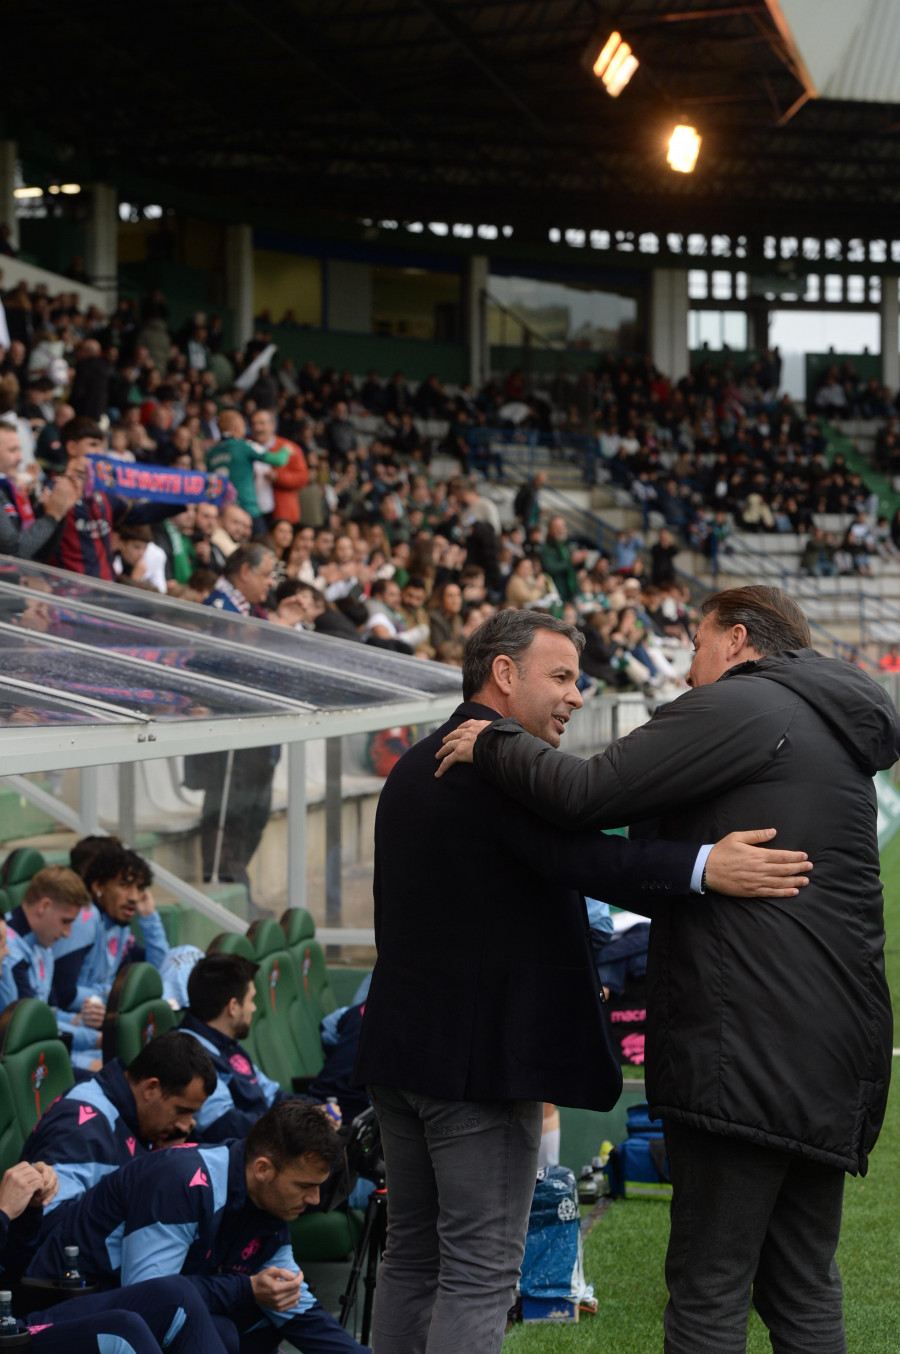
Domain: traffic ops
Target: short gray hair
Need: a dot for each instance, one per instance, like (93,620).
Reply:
(511,633)
(252,555)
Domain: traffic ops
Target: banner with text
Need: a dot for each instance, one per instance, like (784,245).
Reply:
(160,483)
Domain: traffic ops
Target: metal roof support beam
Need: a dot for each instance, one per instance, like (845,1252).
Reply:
(472,49)
(296,825)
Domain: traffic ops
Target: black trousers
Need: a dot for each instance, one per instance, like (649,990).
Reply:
(751,1220)
(247,813)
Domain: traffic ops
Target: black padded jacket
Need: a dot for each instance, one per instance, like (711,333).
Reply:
(768,1019)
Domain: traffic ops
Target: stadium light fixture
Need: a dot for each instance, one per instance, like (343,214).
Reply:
(615,65)
(28,192)
(70,188)
(684,147)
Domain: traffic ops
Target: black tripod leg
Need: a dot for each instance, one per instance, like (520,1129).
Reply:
(376,1246)
(362,1249)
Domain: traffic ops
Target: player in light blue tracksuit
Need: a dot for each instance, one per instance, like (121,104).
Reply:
(164,1314)
(121,1114)
(218,1215)
(101,940)
(52,905)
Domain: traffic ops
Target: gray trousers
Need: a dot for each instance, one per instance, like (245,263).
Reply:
(460,1180)
(751,1217)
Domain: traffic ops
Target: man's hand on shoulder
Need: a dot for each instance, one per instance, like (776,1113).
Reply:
(457,746)
(741,866)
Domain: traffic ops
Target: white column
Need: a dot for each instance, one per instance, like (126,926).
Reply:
(239,281)
(668,327)
(9,153)
(101,243)
(890,334)
(475,280)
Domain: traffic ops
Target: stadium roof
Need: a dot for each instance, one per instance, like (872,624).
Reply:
(457,110)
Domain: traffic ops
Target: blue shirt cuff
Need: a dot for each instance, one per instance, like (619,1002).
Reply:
(699,867)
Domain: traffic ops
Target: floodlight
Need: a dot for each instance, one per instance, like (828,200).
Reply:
(28,192)
(684,147)
(615,65)
(70,188)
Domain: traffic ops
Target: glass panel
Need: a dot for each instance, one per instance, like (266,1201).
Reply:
(415,303)
(563,315)
(167,695)
(317,687)
(35,709)
(735,330)
(334,656)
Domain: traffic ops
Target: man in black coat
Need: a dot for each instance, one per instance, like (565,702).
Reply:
(484,1001)
(769,1028)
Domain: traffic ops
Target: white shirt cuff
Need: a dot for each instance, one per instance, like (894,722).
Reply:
(699,867)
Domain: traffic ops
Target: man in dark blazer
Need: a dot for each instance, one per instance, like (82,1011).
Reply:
(484,1000)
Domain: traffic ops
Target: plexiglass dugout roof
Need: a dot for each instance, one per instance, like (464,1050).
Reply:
(99,671)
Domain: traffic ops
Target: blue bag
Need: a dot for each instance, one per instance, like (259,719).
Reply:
(552,1265)
(638,1165)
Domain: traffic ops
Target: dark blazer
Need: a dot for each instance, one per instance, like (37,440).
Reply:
(485,986)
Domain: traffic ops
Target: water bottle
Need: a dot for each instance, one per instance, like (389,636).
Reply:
(71,1277)
(7,1320)
(600,1177)
(587,1187)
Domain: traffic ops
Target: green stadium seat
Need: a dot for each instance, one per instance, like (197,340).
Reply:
(279,1014)
(266,937)
(34,1059)
(17,872)
(313,980)
(297,924)
(231,942)
(11,1139)
(135,1013)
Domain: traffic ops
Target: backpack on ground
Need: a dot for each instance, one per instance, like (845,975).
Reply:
(638,1166)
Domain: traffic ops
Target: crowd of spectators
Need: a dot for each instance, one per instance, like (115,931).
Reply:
(338,519)
(336,479)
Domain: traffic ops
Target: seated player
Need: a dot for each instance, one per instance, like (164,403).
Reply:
(217,1214)
(222,1002)
(122,1113)
(118,881)
(53,902)
(143,1319)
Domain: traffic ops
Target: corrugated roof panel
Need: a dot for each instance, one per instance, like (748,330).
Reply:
(851,51)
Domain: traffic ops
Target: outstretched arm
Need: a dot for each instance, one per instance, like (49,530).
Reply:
(526,767)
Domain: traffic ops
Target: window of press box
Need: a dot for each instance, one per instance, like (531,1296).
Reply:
(524,310)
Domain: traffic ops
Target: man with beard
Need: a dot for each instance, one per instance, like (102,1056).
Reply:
(122,1113)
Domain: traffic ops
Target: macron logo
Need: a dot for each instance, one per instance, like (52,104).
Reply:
(85,1114)
(199,1178)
